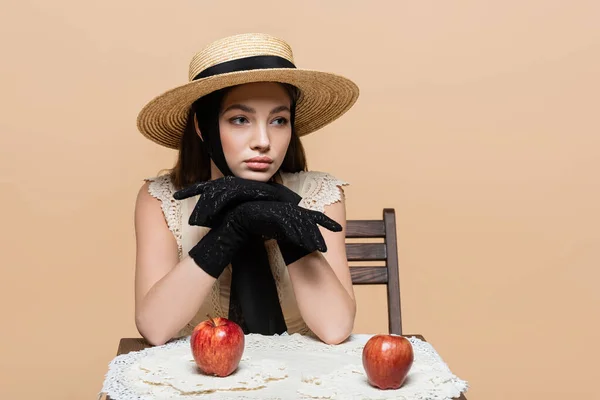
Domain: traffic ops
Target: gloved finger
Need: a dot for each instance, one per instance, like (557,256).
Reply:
(217,200)
(227,200)
(204,187)
(199,217)
(310,237)
(204,208)
(220,198)
(288,232)
(285,194)
(305,239)
(318,239)
(190,191)
(325,221)
(202,217)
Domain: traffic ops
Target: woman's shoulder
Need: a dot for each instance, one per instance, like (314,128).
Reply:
(318,189)
(160,188)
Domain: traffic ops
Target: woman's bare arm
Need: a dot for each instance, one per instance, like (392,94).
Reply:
(323,285)
(168,293)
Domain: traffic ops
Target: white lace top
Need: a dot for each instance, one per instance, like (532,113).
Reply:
(317,190)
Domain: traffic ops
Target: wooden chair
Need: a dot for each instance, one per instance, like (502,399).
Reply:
(387,251)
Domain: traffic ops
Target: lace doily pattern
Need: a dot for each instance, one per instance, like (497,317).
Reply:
(275,367)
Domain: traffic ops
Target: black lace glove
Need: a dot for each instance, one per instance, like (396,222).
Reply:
(294,227)
(223,194)
(219,196)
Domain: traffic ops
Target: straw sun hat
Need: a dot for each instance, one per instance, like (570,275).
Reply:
(241,59)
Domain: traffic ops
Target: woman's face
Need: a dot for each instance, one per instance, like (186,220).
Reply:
(255,129)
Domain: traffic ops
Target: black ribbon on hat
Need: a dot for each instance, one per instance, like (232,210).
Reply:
(245,64)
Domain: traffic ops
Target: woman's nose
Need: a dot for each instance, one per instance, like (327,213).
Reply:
(260,138)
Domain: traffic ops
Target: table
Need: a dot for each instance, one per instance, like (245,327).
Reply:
(127,345)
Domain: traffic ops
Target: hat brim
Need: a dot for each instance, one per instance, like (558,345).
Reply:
(324,97)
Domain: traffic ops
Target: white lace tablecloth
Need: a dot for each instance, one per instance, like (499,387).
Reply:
(275,367)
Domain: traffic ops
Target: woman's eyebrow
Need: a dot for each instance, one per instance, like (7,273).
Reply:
(280,109)
(240,107)
(252,110)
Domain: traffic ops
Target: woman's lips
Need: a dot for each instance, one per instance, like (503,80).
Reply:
(259,163)
(258,166)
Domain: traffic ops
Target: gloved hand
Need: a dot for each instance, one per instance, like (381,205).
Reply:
(221,195)
(294,227)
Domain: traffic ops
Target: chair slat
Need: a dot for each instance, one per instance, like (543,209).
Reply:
(368,275)
(365,229)
(366,251)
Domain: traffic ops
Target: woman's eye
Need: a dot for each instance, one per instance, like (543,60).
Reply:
(280,121)
(239,120)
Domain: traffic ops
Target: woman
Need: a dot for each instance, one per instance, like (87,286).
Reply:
(239,228)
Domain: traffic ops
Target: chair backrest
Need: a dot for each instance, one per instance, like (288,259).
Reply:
(387,251)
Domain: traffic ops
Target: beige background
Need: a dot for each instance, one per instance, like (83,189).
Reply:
(478,122)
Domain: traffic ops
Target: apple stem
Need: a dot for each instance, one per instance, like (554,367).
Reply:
(212,321)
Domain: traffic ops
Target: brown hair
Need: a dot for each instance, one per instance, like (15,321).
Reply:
(193,161)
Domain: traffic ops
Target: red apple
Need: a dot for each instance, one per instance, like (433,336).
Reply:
(217,345)
(387,360)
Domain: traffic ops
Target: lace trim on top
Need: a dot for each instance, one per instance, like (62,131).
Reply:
(321,189)
(162,188)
